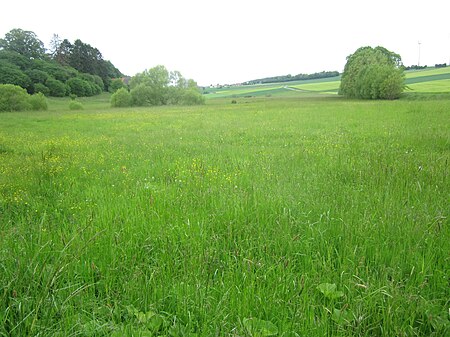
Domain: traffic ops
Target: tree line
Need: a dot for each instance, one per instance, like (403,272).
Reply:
(78,69)
(299,77)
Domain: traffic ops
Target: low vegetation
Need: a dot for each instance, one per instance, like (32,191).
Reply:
(14,98)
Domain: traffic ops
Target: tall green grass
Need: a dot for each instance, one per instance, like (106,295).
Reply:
(287,217)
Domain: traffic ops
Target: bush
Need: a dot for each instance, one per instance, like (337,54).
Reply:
(39,87)
(38,101)
(192,97)
(80,87)
(13,98)
(143,95)
(75,105)
(95,83)
(95,89)
(56,88)
(121,98)
(115,85)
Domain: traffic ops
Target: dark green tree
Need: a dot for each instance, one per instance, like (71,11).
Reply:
(372,73)
(15,58)
(37,76)
(87,59)
(112,71)
(115,85)
(57,88)
(23,42)
(12,74)
(63,52)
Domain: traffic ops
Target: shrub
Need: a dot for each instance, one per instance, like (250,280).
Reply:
(13,98)
(115,85)
(38,101)
(121,98)
(95,83)
(95,89)
(56,88)
(75,105)
(143,95)
(39,87)
(80,87)
(192,97)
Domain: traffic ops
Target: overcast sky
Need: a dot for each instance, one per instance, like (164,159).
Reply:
(237,40)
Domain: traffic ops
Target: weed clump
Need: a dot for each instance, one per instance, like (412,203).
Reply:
(75,105)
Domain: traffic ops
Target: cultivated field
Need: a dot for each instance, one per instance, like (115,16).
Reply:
(284,216)
(430,80)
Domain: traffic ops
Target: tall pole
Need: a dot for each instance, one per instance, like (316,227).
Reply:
(418,62)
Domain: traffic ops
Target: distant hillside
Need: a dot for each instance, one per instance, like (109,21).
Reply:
(288,78)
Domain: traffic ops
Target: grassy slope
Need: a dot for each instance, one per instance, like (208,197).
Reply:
(191,219)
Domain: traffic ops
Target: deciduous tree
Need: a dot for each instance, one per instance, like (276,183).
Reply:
(372,73)
(23,42)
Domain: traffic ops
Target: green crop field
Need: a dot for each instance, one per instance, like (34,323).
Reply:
(328,87)
(275,216)
(431,80)
(427,72)
(430,86)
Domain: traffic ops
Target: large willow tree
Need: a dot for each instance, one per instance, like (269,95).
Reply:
(372,73)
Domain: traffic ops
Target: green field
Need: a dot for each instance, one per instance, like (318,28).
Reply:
(284,216)
(426,81)
(427,72)
(327,87)
(430,86)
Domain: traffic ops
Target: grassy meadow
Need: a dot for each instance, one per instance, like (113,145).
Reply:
(276,216)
